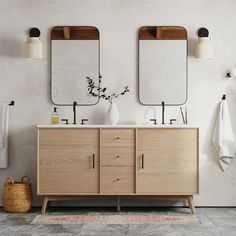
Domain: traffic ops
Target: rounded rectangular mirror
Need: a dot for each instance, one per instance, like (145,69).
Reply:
(75,54)
(163,65)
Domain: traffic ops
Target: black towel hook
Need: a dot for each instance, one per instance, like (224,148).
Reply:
(224,97)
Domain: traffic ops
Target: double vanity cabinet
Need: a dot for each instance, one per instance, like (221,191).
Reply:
(119,161)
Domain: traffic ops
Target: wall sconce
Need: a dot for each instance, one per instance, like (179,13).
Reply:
(33,45)
(204,47)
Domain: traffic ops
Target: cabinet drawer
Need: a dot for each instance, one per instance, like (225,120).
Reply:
(115,180)
(70,138)
(117,137)
(117,156)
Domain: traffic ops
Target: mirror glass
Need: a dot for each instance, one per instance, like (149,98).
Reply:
(74,55)
(162,65)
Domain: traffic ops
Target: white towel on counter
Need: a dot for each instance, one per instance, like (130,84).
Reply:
(223,138)
(4,114)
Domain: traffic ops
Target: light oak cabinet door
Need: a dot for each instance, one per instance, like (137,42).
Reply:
(167,161)
(68,161)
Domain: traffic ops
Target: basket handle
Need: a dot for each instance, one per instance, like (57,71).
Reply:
(25,179)
(9,180)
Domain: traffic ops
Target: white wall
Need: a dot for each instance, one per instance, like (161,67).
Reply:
(27,81)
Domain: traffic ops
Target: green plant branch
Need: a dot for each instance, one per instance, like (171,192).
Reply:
(100,92)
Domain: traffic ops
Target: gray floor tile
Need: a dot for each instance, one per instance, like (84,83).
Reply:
(220,212)
(103,229)
(226,231)
(147,229)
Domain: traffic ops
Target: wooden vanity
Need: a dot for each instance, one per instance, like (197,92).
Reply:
(120,161)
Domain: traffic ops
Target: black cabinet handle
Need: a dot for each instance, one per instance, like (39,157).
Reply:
(142,161)
(93,161)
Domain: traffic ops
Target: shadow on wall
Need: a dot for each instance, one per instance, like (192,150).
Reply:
(191,47)
(208,147)
(150,113)
(231,98)
(98,116)
(11,47)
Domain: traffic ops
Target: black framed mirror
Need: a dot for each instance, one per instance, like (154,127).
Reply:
(75,54)
(163,65)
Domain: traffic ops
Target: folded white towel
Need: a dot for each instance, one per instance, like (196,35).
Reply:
(4,113)
(223,138)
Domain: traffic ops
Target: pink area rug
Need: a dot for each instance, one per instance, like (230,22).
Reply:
(114,219)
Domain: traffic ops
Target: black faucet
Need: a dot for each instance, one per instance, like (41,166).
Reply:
(66,121)
(154,121)
(74,111)
(83,120)
(163,112)
(171,121)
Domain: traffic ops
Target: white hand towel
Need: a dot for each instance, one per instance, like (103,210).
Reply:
(4,113)
(223,138)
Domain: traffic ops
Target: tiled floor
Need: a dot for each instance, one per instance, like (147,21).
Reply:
(213,221)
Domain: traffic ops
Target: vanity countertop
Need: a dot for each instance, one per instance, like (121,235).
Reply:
(118,126)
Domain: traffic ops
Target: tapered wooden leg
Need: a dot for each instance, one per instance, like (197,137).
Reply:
(191,204)
(118,203)
(44,206)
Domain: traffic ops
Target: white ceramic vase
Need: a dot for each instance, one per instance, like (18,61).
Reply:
(113,114)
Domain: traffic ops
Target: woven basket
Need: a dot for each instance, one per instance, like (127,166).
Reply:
(17,196)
